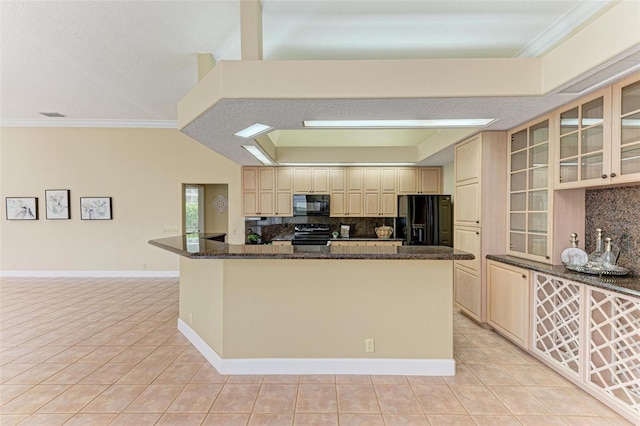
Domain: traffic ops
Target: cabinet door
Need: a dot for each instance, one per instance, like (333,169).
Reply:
(388,204)
(467,205)
(354,203)
(583,149)
(284,179)
(284,191)
(468,160)
(468,239)
(388,179)
(407,180)
(625,155)
(266,205)
(467,292)
(338,204)
(372,179)
(249,203)
(338,179)
(372,204)
(429,181)
(320,180)
(508,301)
(284,204)
(530,192)
(355,179)
(249,179)
(302,179)
(266,179)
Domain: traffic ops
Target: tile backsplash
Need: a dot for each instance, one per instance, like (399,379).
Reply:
(617,212)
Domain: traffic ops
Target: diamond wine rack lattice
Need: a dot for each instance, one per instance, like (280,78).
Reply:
(591,335)
(615,346)
(557,320)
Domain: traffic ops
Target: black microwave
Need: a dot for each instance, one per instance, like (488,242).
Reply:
(310,205)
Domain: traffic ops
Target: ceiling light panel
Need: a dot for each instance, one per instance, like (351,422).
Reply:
(398,124)
(253,130)
(258,154)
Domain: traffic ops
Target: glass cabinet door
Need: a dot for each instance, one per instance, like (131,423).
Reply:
(626,131)
(583,151)
(529,191)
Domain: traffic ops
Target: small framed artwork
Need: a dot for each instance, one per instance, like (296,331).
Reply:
(57,202)
(22,208)
(95,208)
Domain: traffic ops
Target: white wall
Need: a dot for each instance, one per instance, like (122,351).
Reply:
(142,169)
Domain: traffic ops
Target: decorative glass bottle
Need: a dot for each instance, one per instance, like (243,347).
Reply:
(574,255)
(609,259)
(595,258)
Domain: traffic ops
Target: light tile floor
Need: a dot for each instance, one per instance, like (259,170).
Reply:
(79,351)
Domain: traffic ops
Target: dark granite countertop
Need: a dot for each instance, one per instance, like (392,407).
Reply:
(289,237)
(201,247)
(629,284)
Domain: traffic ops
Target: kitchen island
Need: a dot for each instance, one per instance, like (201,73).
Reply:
(267,309)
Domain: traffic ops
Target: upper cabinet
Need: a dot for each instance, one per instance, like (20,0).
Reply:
(380,192)
(625,152)
(530,221)
(583,150)
(599,138)
(419,180)
(311,180)
(284,191)
(347,191)
(258,191)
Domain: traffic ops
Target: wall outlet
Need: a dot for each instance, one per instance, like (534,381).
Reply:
(369,345)
(190,318)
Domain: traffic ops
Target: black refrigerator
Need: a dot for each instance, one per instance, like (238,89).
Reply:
(425,220)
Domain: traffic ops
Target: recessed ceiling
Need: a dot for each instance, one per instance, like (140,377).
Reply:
(131,62)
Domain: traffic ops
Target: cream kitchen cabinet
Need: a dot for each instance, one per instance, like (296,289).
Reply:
(380,197)
(311,180)
(583,151)
(419,180)
(258,191)
(625,140)
(535,209)
(347,192)
(480,192)
(284,191)
(508,301)
(599,139)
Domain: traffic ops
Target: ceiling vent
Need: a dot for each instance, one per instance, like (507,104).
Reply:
(53,114)
(604,76)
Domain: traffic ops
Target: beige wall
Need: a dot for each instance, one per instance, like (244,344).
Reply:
(261,308)
(214,220)
(141,169)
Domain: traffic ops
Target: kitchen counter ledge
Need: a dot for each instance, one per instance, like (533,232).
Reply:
(202,248)
(629,285)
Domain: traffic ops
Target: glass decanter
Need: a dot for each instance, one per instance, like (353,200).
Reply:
(595,257)
(574,255)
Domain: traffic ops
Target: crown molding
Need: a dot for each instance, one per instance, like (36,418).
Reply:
(63,122)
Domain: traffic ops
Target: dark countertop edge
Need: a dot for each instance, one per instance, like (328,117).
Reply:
(289,237)
(628,285)
(457,255)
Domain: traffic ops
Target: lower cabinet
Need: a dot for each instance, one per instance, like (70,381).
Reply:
(508,301)
(591,336)
(281,243)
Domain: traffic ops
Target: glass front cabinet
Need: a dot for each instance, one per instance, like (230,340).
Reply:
(598,138)
(625,155)
(583,148)
(530,191)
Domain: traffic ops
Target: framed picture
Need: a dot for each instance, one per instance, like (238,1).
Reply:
(57,202)
(95,208)
(22,208)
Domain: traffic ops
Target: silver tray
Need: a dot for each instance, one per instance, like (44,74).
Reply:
(616,270)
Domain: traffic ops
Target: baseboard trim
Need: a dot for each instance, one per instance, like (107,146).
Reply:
(91,274)
(373,366)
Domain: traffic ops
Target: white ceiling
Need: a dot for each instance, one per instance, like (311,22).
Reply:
(130,62)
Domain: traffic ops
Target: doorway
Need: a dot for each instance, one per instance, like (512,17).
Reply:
(205,208)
